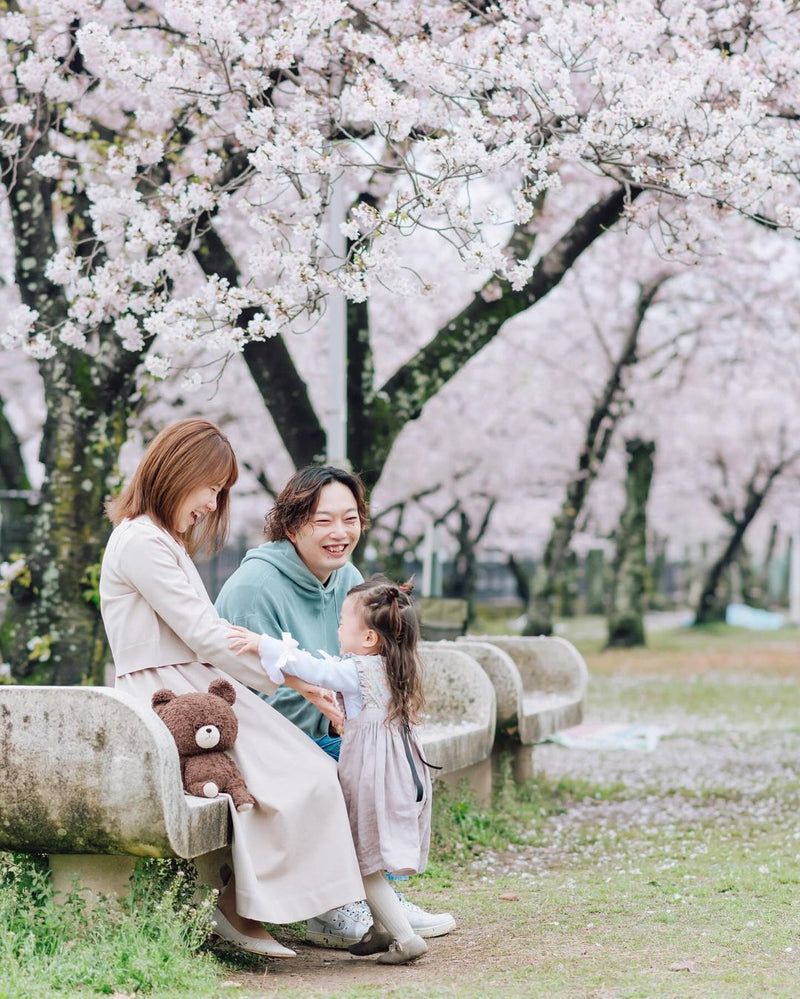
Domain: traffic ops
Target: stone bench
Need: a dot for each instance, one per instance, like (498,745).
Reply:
(91,778)
(504,676)
(540,686)
(458,724)
(553,682)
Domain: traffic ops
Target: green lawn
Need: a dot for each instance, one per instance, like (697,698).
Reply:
(667,874)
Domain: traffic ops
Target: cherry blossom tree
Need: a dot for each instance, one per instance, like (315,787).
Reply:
(517,423)
(609,404)
(170,169)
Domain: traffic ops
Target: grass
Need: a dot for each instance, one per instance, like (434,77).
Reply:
(148,944)
(667,875)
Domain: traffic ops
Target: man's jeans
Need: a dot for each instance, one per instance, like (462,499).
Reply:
(329,744)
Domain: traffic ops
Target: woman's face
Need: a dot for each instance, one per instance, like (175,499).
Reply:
(195,506)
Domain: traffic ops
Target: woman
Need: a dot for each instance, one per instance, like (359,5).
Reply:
(164,632)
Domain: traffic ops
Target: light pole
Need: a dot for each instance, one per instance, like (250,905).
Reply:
(794,579)
(336,414)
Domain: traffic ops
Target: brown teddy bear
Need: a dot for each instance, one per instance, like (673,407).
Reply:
(203,726)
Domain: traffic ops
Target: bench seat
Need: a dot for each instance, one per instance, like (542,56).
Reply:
(91,778)
(458,725)
(552,682)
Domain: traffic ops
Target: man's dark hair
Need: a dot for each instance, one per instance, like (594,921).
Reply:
(297,501)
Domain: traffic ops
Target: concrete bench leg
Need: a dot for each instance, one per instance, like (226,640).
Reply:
(479,777)
(211,868)
(101,875)
(522,763)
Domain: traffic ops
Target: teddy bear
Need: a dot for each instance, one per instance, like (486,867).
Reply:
(203,726)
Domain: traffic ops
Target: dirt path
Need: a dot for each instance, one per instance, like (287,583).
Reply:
(318,971)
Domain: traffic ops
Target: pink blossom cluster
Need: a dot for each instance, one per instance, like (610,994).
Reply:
(161,125)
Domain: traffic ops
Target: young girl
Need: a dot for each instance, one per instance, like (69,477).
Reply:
(385,781)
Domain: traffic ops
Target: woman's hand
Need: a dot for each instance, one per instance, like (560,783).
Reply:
(241,640)
(324,700)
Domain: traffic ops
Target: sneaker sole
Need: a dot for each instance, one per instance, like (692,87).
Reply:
(330,940)
(437,930)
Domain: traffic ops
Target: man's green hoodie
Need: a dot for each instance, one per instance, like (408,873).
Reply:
(274,591)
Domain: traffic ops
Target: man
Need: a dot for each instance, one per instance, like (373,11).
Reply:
(297,582)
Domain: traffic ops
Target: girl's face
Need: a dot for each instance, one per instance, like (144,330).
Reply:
(195,506)
(354,635)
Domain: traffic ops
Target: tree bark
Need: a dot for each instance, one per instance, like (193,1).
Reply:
(284,392)
(376,415)
(404,395)
(522,580)
(51,632)
(462,582)
(628,595)
(16,512)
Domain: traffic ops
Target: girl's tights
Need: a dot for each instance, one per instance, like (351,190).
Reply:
(386,908)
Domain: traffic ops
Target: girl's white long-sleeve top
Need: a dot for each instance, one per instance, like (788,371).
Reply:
(340,673)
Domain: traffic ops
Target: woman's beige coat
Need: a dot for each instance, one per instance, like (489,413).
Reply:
(293,854)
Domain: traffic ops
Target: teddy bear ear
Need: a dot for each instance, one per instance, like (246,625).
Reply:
(222,689)
(162,696)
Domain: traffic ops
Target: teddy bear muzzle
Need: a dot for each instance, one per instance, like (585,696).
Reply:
(207,737)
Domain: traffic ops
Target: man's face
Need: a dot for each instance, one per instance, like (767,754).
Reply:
(327,540)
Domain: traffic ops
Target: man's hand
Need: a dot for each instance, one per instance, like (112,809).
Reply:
(325,700)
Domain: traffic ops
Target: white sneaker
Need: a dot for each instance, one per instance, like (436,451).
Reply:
(340,928)
(426,924)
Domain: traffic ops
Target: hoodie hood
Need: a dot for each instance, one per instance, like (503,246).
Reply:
(283,557)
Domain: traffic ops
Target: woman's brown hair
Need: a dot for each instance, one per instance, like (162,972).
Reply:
(185,456)
(389,610)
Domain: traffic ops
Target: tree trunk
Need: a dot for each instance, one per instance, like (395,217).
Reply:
(710,607)
(522,579)
(752,581)
(628,596)
(16,511)
(597,441)
(595,575)
(463,580)
(660,597)
(377,414)
(51,631)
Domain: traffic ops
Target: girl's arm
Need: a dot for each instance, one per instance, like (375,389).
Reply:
(282,659)
(322,699)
